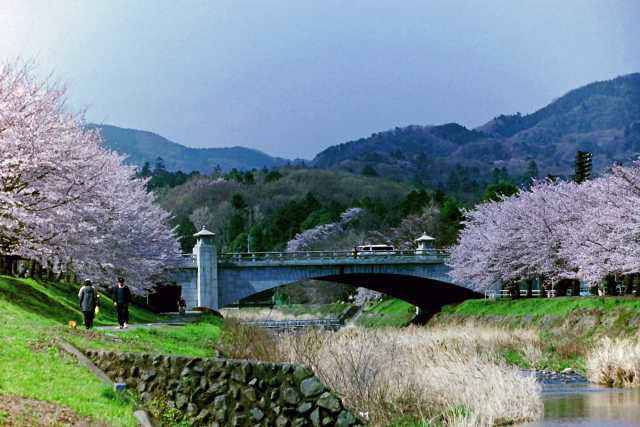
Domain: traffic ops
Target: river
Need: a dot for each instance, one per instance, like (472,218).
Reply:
(588,405)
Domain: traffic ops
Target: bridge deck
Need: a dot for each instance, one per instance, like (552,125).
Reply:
(258,259)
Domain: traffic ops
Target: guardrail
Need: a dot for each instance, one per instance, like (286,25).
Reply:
(292,325)
(259,256)
(506,294)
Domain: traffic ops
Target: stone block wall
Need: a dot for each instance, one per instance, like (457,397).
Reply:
(223,392)
(186,278)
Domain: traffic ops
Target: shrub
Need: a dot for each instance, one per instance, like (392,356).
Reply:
(242,341)
(615,363)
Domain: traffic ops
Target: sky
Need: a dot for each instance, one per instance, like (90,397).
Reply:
(293,77)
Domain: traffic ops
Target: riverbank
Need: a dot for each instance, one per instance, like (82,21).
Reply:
(568,326)
(33,314)
(497,341)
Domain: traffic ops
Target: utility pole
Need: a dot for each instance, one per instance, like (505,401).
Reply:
(249,231)
(583,166)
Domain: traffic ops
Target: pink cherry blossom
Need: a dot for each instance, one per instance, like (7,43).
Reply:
(64,199)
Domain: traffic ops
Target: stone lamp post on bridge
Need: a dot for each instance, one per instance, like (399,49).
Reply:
(207,262)
(425,244)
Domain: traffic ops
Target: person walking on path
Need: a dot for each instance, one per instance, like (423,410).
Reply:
(121,299)
(88,302)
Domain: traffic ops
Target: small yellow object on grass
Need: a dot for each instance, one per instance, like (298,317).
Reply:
(97,310)
(72,324)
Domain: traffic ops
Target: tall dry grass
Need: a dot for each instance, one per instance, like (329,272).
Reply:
(615,363)
(452,376)
(241,341)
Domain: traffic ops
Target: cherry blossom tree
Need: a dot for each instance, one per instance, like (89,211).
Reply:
(411,227)
(556,230)
(519,237)
(608,238)
(65,200)
(323,232)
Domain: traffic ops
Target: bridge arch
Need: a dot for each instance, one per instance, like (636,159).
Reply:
(425,285)
(211,280)
(428,294)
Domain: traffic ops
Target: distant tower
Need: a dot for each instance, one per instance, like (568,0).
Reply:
(583,166)
(207,262)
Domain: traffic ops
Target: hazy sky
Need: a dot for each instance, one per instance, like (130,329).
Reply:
(293,77)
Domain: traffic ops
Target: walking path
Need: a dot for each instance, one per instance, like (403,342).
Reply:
(173,319)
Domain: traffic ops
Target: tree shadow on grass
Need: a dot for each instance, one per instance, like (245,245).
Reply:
(27,297)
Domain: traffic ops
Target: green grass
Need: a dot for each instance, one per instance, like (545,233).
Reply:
(33,314)
(388,312)
(193,340)
(539,307)
(58,302)
(515,357)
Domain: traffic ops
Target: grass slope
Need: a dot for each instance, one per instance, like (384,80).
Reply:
(31,317)
(388,312)
(33,314)
(540,307)
(569,327)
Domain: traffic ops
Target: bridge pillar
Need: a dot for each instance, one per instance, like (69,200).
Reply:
(207,273)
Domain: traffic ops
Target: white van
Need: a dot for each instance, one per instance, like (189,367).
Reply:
(375,250)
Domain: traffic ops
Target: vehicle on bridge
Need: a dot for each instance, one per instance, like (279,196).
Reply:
(379,249)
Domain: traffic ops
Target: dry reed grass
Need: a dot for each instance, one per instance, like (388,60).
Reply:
(241,341)
(453,376)
(615,363)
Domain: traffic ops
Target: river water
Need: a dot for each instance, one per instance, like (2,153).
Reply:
(588,405)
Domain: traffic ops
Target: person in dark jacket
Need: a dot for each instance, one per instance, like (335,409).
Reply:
(121,299)
(88,302)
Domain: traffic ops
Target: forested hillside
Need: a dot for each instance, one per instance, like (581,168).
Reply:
(602,118)
(263,210)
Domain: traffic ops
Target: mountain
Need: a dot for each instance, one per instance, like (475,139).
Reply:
(602,117)
(141,146)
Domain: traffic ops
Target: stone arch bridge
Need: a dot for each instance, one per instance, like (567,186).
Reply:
(211,280)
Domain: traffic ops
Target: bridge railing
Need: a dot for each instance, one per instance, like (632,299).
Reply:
(329,324)
(305,255)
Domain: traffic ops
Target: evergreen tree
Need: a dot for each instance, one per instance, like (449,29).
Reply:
(217,172)
(160,166)
(237,201)
(499,189)
(369,171)
(249,178)
(532,170)
(272,176)
(146,170)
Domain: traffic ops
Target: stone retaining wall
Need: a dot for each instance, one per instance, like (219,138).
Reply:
(222,392)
